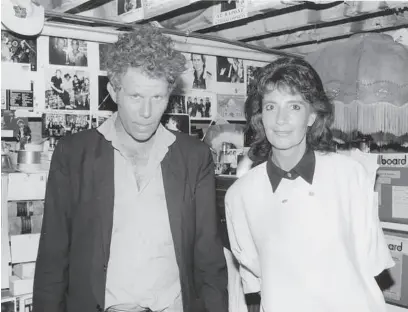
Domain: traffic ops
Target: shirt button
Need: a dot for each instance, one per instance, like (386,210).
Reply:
(289,175)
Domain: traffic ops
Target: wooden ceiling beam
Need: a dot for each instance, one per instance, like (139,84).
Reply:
(378,24)
(307,18)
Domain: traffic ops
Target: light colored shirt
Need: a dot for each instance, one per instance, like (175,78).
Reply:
(142,270)
(309,247)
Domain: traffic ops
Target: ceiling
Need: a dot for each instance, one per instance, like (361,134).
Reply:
(291,26)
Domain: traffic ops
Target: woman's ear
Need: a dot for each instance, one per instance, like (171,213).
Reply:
(112,92)
(312,119)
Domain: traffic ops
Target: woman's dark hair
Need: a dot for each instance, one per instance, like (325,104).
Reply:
(296,76)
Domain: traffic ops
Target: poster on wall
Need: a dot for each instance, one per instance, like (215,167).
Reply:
(98,120)
(200,105)
(103,51)
(8,304)
(396,281)
(67,88)
(231,107)
(200,73)
(59,125)
(67,51)
(230,75)
(176,105)
(229,11)
(16,49)
(19,99)
(176,122)
(105,102)
(130,10)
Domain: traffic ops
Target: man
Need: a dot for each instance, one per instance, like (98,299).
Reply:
(76,57)
(56,86)
(130,220)
(303,224)
(202,77)
(57,53)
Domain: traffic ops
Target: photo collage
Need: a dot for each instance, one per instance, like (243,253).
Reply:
(76,96)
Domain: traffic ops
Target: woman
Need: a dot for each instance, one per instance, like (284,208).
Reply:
(302,224)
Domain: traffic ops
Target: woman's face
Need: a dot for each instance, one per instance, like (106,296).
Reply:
(286,118)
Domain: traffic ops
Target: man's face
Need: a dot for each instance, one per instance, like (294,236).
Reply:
(195,101)
(197,62)
(141,101)
(75,45)
(60,44)
(58,74)
(285,118)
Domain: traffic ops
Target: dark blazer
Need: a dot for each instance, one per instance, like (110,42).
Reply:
(73,255)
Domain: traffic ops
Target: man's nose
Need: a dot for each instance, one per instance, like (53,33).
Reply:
(146,109)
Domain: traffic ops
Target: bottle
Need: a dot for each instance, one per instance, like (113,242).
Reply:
(52,142)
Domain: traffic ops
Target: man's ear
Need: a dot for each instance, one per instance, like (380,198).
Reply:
(312,119)
(112,92)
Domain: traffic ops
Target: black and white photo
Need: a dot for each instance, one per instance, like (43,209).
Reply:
(105,102)
(200,72)
(8,305)
(251,73)
(16,49)
(177,105)
(231,107)
(176,122)
(67,51)
(230,69)
(58,125)
(103,50)
(67,89)
(199,105)
(125,6)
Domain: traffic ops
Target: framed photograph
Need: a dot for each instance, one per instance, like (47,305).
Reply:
(4,99)
(8,304)
(176,122)
(67,89)
(177,105)
(231,107)
(103,51)
(105,102)
(200,105)
(17,49)
(126,6)
(230,69)
(59,125)
(98,120)
(67,51)
(394,281)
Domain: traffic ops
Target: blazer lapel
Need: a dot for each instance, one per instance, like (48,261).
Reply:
(104,191)
(174,188)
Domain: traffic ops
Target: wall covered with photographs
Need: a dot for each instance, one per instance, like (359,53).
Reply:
(68,90)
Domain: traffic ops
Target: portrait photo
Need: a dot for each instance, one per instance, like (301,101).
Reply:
(67,89)
(177,105)
(103,50)
(15,49)
(200,73)
(105,102)
(125,6)
(176,122)
(58,125)
(199,105)
(230,69)
(231,107)
(67,51)
(250,74)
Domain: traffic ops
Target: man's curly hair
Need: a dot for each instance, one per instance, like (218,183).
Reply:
(146,48)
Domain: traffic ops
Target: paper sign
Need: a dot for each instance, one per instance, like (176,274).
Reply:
(400,202)
(398,247)
(229,11)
